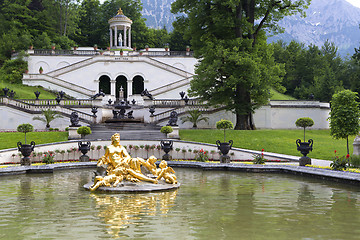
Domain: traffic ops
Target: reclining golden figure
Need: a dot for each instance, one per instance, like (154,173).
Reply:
(121,166)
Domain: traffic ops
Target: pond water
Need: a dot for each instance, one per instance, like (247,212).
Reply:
(208,205)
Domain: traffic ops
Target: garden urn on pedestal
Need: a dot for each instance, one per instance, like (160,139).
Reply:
(25,149)
(166,146)
(304,147)
(84,147)
(224,147)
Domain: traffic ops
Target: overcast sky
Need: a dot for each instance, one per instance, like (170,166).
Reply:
(354,2)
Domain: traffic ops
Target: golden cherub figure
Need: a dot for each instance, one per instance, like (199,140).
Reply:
(167,173)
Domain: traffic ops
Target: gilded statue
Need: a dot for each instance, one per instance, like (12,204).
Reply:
(121,166)
(167,173)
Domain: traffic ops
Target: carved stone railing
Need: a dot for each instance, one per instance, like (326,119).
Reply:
(58,82)
(182,110)
(166,103)
(34,108)
(168,67)
(64,102)
(171,86)
(49,52)
(71,67)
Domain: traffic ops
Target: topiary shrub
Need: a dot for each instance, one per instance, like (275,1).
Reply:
(166,129)
(304,123)
(83,131)
(224,124)
(25,128)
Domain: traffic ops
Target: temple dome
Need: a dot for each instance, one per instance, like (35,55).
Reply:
(120,17)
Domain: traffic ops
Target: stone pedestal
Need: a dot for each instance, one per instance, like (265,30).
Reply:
(73,133)
(303,161)
(174,134)
(356,145)
(84,158)
(224,159)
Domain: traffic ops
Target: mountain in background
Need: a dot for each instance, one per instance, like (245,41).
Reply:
(335,20)
(157,13)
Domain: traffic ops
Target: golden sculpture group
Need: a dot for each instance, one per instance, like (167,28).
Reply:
(121,166)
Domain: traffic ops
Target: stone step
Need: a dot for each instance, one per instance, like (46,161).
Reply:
(127,135)
(127,130)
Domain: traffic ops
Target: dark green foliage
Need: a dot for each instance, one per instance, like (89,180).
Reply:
(344,115)
(224,124)
(339,164)
(259,159)
(25,128)
(48,116)
(236,67)
(12,70)
(195,116)
(312,72)
(304,123)
(355,161)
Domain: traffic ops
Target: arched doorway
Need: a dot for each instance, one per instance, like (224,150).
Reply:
(138,84)
(104,84)
(121,81)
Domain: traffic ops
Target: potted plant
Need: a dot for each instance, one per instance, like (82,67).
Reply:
(25,149)
(108,48)
(53,46)
(166,47)
(224,147)
(121,52)
(147,47)
(75,47)
(166,129)
(188,48)
(84,147)
(304,147)
(41,70)
(95,47)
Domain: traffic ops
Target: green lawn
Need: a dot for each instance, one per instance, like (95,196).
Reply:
(27,92)
(277,141)
(10,139)
(275,95)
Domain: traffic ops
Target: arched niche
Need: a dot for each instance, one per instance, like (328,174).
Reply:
(138,84)
(104,84)
(62,64)
(121,81)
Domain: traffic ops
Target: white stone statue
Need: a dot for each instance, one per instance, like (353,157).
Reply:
(120,40)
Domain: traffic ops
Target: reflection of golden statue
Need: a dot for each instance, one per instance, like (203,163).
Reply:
(120,166)
(120,212)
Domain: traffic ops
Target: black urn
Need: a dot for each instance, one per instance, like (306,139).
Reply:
(84,147)
(304,148)
(26,150)
(224,148)
(166,146)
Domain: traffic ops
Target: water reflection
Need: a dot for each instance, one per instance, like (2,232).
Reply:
(120,211)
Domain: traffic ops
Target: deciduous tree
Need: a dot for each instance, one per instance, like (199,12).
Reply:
(236,66)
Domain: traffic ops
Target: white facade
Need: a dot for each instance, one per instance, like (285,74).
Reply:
(80,76)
